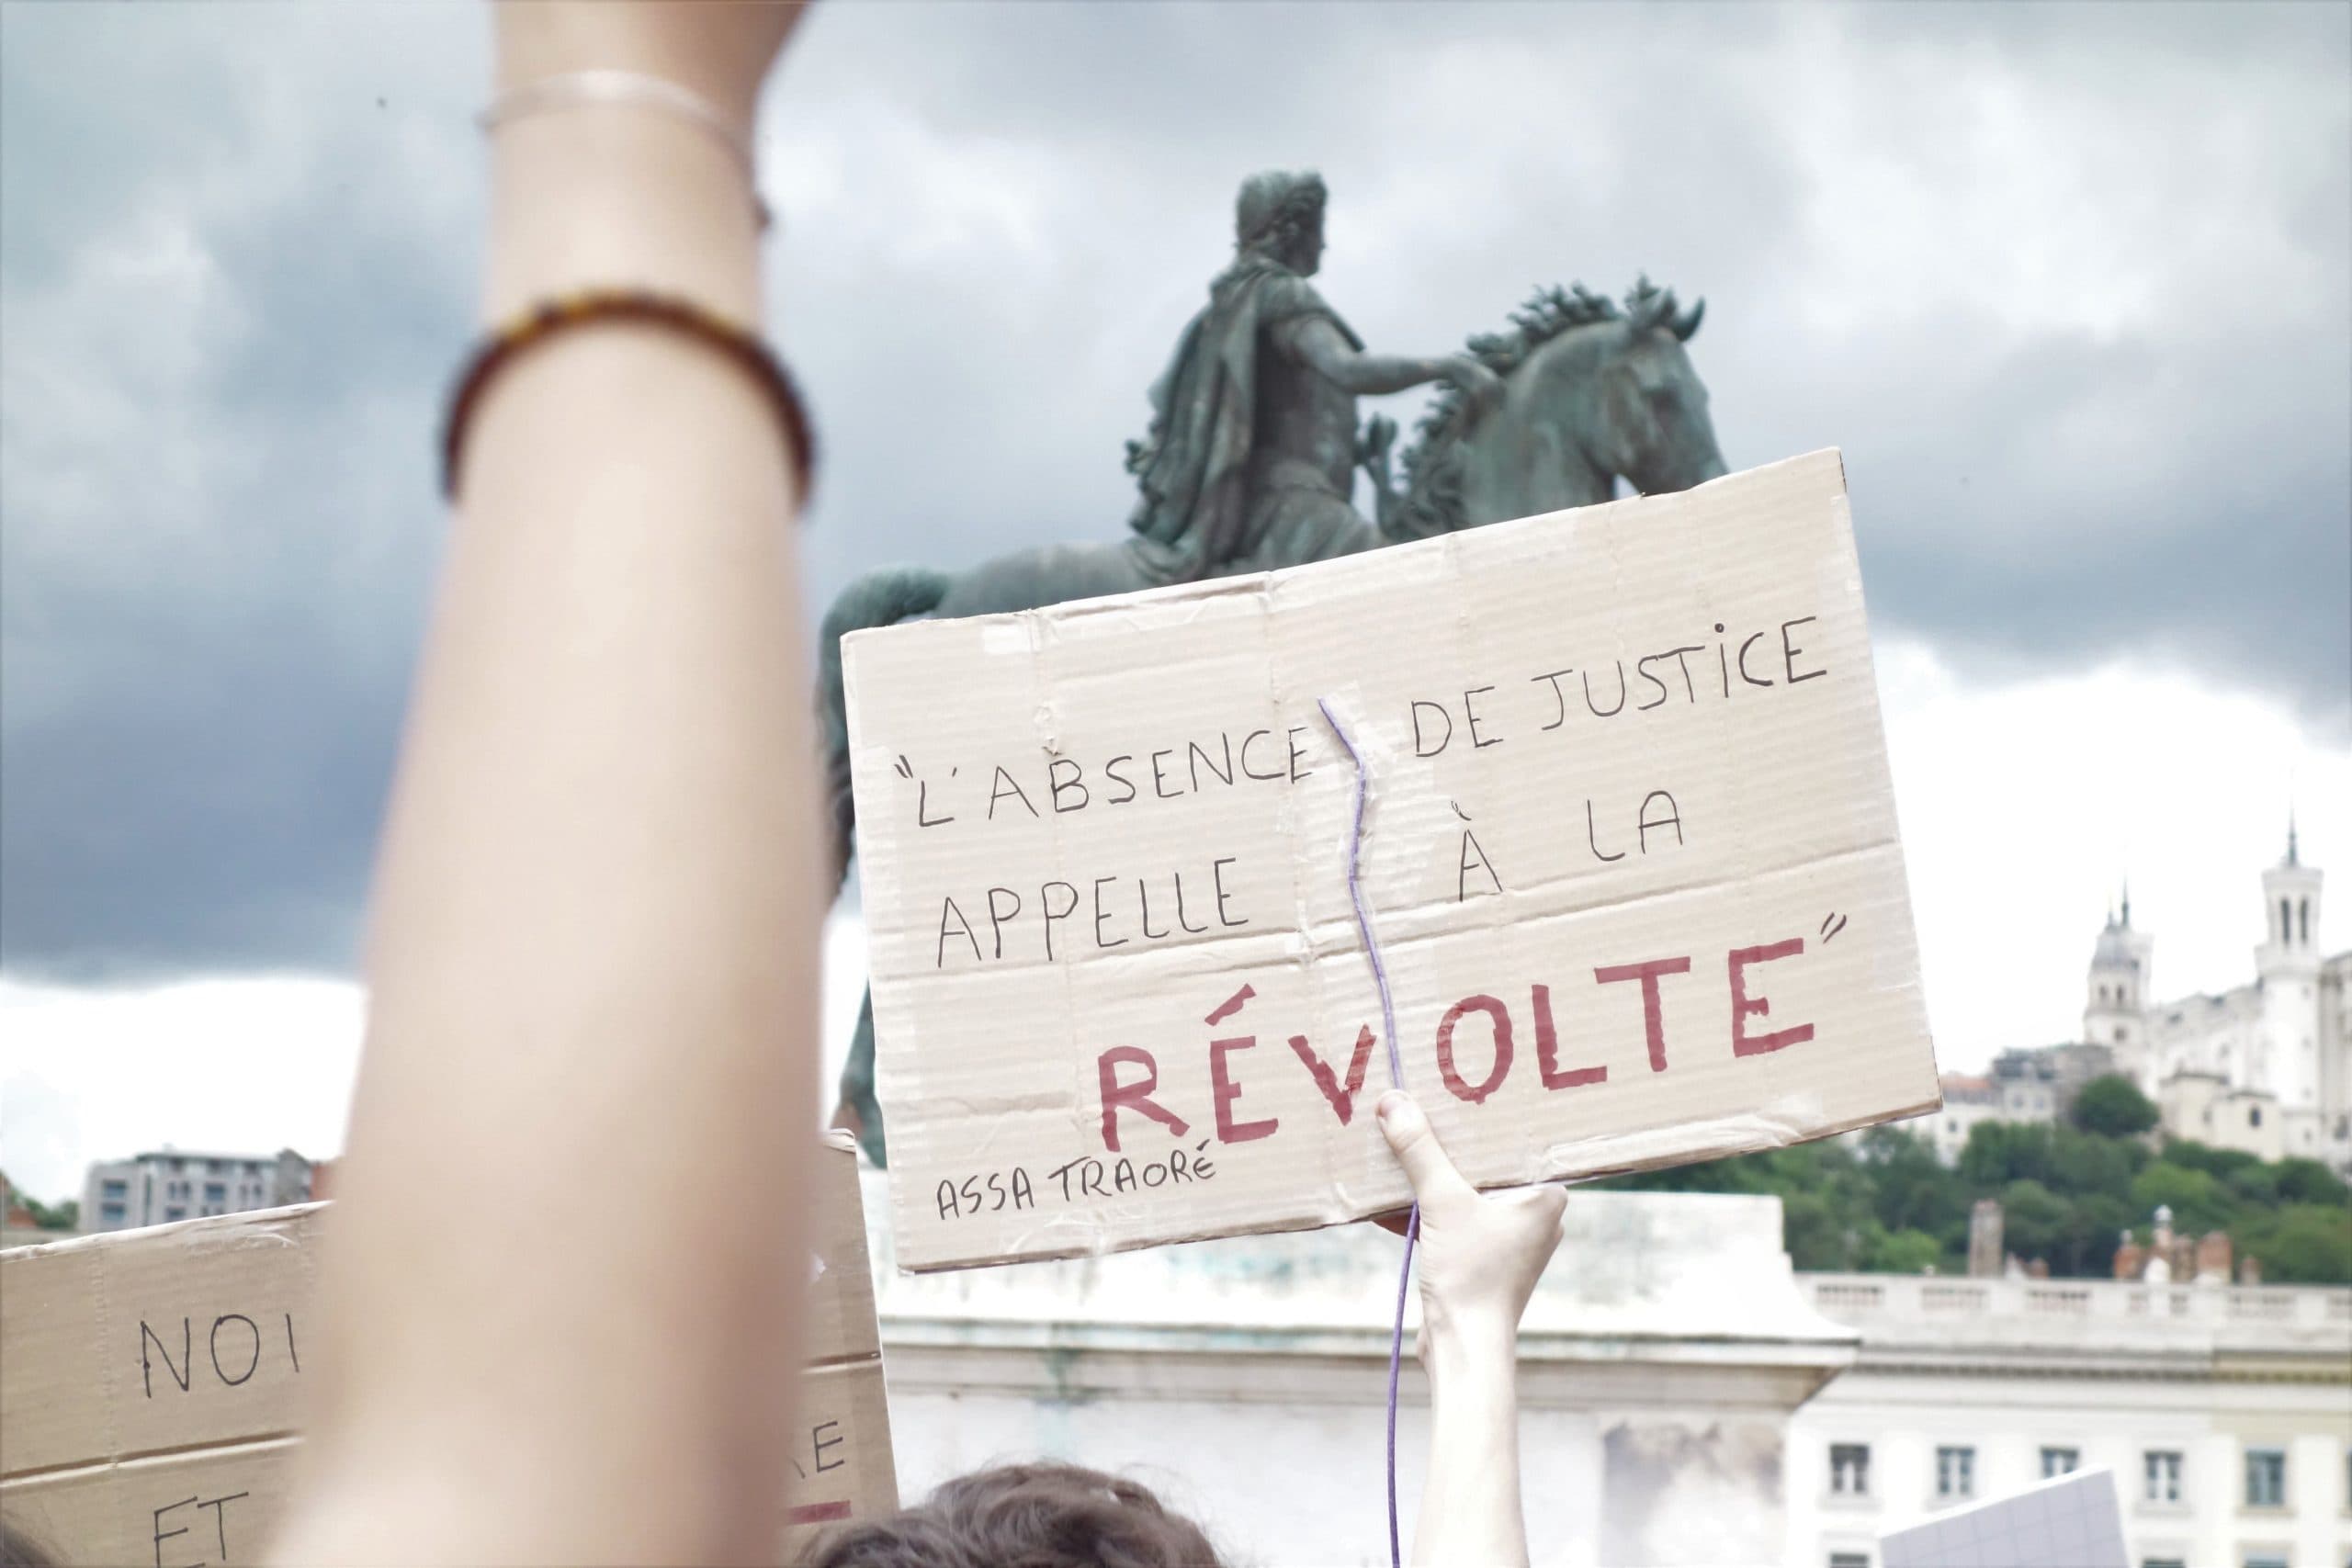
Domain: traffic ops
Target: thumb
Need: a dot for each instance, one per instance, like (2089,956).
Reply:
(1416,1147)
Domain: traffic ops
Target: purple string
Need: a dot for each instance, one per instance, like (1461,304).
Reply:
(1396,1078)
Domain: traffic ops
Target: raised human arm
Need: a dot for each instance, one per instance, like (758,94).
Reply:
(560,1300)
(1318,341)
(1480,1256)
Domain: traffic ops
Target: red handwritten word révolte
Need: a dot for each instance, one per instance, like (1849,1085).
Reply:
(1129,1075)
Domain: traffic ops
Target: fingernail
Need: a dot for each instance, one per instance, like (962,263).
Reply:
(1390,1104)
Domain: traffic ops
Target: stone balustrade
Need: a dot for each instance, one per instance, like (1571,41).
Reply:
(1879,1303)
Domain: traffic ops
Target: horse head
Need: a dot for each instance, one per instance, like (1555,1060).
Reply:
(1593,390)
(1647,408)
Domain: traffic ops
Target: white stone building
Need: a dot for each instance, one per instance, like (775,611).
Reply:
(1967,1101)
(2266,1067)
(1686,1398)
(1248,1380)
(2224,1412)
(2023,1084)
(173,1184)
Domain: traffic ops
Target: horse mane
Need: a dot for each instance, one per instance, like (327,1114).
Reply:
(1432,468)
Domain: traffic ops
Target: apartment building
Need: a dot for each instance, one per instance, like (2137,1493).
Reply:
(176,1184)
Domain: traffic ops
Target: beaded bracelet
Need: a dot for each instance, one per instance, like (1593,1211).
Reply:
(589,305)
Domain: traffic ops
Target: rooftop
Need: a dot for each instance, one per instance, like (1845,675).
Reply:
(2294,1331)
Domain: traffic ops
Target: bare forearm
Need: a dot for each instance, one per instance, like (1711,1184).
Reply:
(1470,1509)
(562,1292)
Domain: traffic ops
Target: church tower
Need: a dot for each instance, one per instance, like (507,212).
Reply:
(2287,962)
(2115,1005)
(2290,913)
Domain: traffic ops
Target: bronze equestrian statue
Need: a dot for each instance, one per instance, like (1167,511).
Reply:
(1253,449)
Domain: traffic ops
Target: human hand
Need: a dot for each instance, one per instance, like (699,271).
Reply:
(1478,383)
(1481,1253)
(720,49)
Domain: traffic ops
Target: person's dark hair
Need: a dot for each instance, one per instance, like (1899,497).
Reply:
(1023,1516)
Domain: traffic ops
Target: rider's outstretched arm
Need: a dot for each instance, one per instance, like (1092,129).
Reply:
(1319,341)
(563,1275)
(1480,1256)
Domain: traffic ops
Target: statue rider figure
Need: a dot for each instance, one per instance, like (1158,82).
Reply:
(1251,456)
(1249,465)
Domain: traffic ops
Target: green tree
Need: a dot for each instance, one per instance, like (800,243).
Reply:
(2304,1244)
(1882,1201)
(2199,1201)
(1911,1189)
(2036,1221)
(2256,1184)
(2113,1106)
(1904,1252)
(2083,1163)
(2217,1163)
(1998,1153)
(62,1217)
(2308,1181)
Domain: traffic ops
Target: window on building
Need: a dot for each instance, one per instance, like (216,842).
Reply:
(175,1165)
(2163,1475)
(111,1188)
(1955,1473)
(2266,1477)
(216,1191)
(2254,1116)
(252,1167)
(2304,920)
(216,1167)
(176,1212)
(1849,1469)
(2165,1562)
(110,1212)
(2119,1034)
(1849,1560)
(2260,1559)
(2059,1461)
(2286,927)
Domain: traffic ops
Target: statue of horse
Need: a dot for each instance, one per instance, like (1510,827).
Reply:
(1592,394)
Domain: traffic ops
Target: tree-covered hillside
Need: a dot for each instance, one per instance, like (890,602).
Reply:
(1882,1203)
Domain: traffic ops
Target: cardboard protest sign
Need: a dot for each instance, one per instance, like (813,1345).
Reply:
(1630,852)
(152,1384)
(150,1404)
(2075,1520)
(841,1466)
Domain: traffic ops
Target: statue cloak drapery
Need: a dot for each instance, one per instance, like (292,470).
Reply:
(1193,468)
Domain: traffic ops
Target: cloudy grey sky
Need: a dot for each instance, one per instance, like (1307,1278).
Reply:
(2071,287)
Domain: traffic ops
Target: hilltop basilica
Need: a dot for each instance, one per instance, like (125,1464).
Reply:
(2266,1067)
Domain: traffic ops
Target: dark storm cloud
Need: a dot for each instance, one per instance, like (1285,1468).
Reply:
(225,313)
(2069,290)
